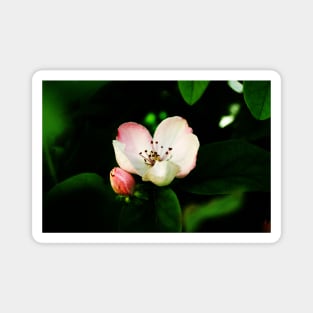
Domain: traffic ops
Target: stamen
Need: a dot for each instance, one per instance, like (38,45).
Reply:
(150,157)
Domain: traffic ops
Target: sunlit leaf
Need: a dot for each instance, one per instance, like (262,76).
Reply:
(257,95)
(192,91)
(235,85)
(196,214)
(225,121)
(168,211)
(234,109)
(150,118)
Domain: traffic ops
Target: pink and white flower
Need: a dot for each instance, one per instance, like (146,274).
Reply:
(172,152)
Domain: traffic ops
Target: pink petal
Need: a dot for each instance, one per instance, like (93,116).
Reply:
(135,137)
(170,131)
(132,138)
(184,154)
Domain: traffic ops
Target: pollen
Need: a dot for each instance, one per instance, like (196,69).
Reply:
(156,154)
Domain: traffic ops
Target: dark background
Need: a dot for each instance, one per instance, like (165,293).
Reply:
(90,113)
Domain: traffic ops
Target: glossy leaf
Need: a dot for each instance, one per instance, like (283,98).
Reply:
(223,167)
(257,95)
(168,211)
(192,91)
(196,214)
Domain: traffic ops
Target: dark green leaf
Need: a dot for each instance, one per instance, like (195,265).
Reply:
(195,214)
(168,211)
(161,215)
(223,167)
(248,128)
(192,91)
(81,203)
(138,213)
(137,216)
(257,95)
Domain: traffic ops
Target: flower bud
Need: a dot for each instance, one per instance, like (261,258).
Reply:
(122,182)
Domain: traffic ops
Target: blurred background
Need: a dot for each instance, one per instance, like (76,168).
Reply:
(80,120)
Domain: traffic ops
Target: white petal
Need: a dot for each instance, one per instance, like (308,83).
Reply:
(171,130)
(184,154)
(161,173)
(131,163)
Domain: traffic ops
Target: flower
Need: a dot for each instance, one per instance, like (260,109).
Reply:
(122,182)
(171,153)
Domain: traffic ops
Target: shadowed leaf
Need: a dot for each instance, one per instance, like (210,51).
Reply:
(168,211)
(257,95)
(225,166)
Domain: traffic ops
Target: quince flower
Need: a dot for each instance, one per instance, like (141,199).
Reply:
(172,152)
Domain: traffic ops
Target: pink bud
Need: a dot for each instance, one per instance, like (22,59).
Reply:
(122,182)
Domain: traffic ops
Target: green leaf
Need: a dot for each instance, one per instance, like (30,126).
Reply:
(223,167)
(138,212)
(257,95)
(137,216)
(192,91)
(81,203)
(168,211)
(163,214)
(196,214)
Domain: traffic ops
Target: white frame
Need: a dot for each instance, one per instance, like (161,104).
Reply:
(42,75)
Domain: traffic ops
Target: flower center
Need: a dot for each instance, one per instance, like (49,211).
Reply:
(157,153)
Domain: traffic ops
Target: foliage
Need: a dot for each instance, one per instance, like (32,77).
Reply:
(232,175)
(257,95)
(192,91)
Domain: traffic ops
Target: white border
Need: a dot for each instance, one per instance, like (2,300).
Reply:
(42,75)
